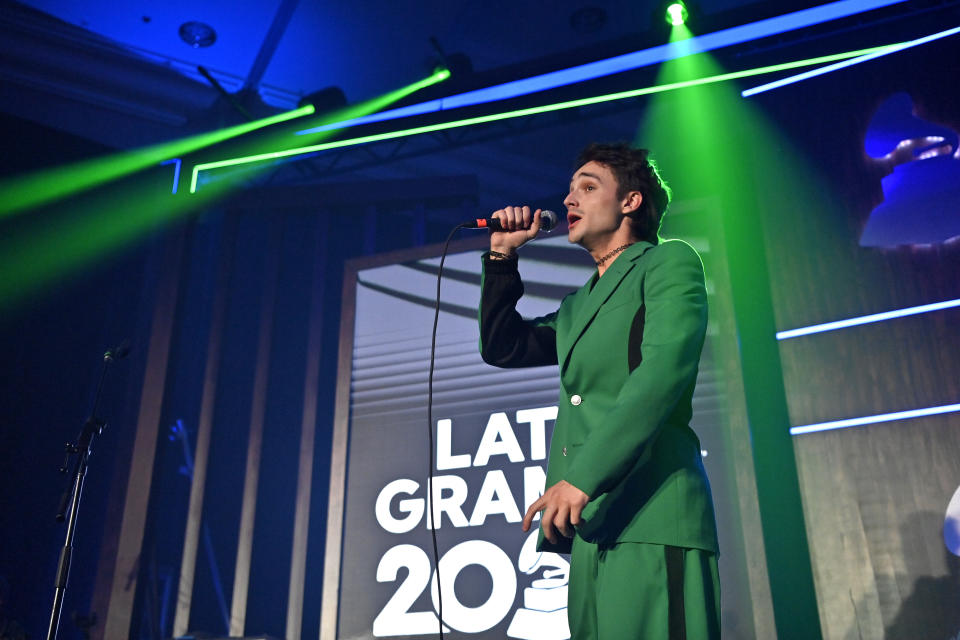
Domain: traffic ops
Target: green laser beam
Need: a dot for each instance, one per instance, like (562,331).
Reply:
(374,104)
(96,227)
(42,187)
(95,224)
(519,113)
(759,191)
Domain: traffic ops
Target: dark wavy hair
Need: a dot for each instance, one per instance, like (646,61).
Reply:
(635,171)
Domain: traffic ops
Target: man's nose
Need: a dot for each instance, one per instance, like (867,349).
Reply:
(569,201)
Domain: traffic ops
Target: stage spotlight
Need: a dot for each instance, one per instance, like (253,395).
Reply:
(325,100)
(456,65)
(676,14)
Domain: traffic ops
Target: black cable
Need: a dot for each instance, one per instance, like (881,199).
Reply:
(433,350)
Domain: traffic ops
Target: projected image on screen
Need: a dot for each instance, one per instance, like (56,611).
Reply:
(921,189)
(492,431)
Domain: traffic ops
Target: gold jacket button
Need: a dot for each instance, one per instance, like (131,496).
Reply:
(575,400)
(564,451)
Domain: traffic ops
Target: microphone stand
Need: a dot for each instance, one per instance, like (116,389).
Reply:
(82,448)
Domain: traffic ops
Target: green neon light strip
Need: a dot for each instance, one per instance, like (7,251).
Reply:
(527,112)
(39,188)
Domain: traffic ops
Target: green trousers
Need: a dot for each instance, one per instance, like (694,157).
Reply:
(636,591)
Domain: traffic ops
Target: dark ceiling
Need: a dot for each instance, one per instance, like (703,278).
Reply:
(287,48)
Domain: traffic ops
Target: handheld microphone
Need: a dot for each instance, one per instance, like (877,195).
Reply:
(548,221)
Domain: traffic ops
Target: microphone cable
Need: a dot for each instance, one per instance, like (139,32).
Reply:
(551,219)
(433,351)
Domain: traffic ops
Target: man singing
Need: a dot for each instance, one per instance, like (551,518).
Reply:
(627,495)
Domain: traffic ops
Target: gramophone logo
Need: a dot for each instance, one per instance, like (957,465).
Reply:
(543,615)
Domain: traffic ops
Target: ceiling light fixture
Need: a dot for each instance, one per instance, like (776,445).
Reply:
(676,13)
(197,34)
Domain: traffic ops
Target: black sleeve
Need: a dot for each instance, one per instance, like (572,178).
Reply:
(506,339)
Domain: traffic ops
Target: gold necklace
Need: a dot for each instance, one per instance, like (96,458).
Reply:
(612,253)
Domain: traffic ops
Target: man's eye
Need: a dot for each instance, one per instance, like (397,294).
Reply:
(590,187)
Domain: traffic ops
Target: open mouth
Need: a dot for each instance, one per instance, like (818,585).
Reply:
(572,219)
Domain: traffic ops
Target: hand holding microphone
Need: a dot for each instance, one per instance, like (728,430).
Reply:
(512,227)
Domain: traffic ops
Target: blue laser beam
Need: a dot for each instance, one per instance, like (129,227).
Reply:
(176,162)
(746,93)
(626,62)
(883,417)
(875,317)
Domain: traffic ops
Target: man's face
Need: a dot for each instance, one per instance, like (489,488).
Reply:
(594,212)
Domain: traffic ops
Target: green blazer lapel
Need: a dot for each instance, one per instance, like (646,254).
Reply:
(602,290)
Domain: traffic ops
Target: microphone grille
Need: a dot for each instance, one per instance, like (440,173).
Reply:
(548,220)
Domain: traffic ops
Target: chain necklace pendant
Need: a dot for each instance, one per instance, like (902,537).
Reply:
(612,253)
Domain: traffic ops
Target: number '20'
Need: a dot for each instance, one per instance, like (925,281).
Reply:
(396,619)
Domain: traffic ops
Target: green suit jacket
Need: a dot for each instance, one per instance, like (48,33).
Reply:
(628,345)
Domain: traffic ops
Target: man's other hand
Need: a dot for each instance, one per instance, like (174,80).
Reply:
(561,505)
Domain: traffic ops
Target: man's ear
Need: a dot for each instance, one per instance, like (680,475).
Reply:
(631,202)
